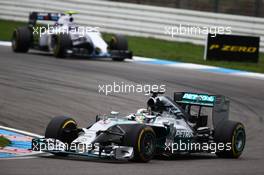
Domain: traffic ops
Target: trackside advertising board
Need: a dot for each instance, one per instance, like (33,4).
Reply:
(232,48)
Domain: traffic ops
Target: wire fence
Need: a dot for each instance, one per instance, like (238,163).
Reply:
(237,7)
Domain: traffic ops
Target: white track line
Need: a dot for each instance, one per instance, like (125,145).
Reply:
(26,156)
(15,158)
(5,43)
(21,131)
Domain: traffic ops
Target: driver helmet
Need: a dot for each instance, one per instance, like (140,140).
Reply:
(65,20)
(155,104)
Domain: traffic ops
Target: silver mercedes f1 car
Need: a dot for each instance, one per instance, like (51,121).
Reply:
(188,123)
(65,38)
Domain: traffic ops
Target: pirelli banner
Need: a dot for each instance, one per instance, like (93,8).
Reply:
(232,48)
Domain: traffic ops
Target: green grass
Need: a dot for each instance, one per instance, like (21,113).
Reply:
(155,48)
(4,141)
(6,29)
(184,52)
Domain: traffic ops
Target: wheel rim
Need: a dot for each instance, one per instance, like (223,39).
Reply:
(14,41)
(53,43)
(56,45)
(148,145)
(65,136)
(240,140)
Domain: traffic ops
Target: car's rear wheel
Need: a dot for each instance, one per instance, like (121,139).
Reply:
(62,43)
(118,43)
(232,133)
(143,140)
(21,39)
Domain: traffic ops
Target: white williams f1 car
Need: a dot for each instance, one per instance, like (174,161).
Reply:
(166,127)
(65,38)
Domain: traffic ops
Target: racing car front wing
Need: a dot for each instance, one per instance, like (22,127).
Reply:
(57,147)
(121,54)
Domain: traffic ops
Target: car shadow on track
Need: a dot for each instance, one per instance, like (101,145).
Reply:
(111,161)
(82,58)
(81,158)
(186,157)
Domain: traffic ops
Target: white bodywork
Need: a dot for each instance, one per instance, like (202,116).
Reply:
(179,127)
(78,34)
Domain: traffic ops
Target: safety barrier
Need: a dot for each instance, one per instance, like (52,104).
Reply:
(134,19)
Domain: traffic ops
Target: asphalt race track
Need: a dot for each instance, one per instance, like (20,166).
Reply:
(35,87)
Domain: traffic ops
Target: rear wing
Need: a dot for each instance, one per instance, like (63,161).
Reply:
(195,98)
(44,16)
(219,103)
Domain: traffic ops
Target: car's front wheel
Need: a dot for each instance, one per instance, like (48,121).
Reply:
(62,128)
(143,140)
(62,43)
(118,43)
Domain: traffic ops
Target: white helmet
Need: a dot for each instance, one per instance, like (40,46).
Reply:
(65,20)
